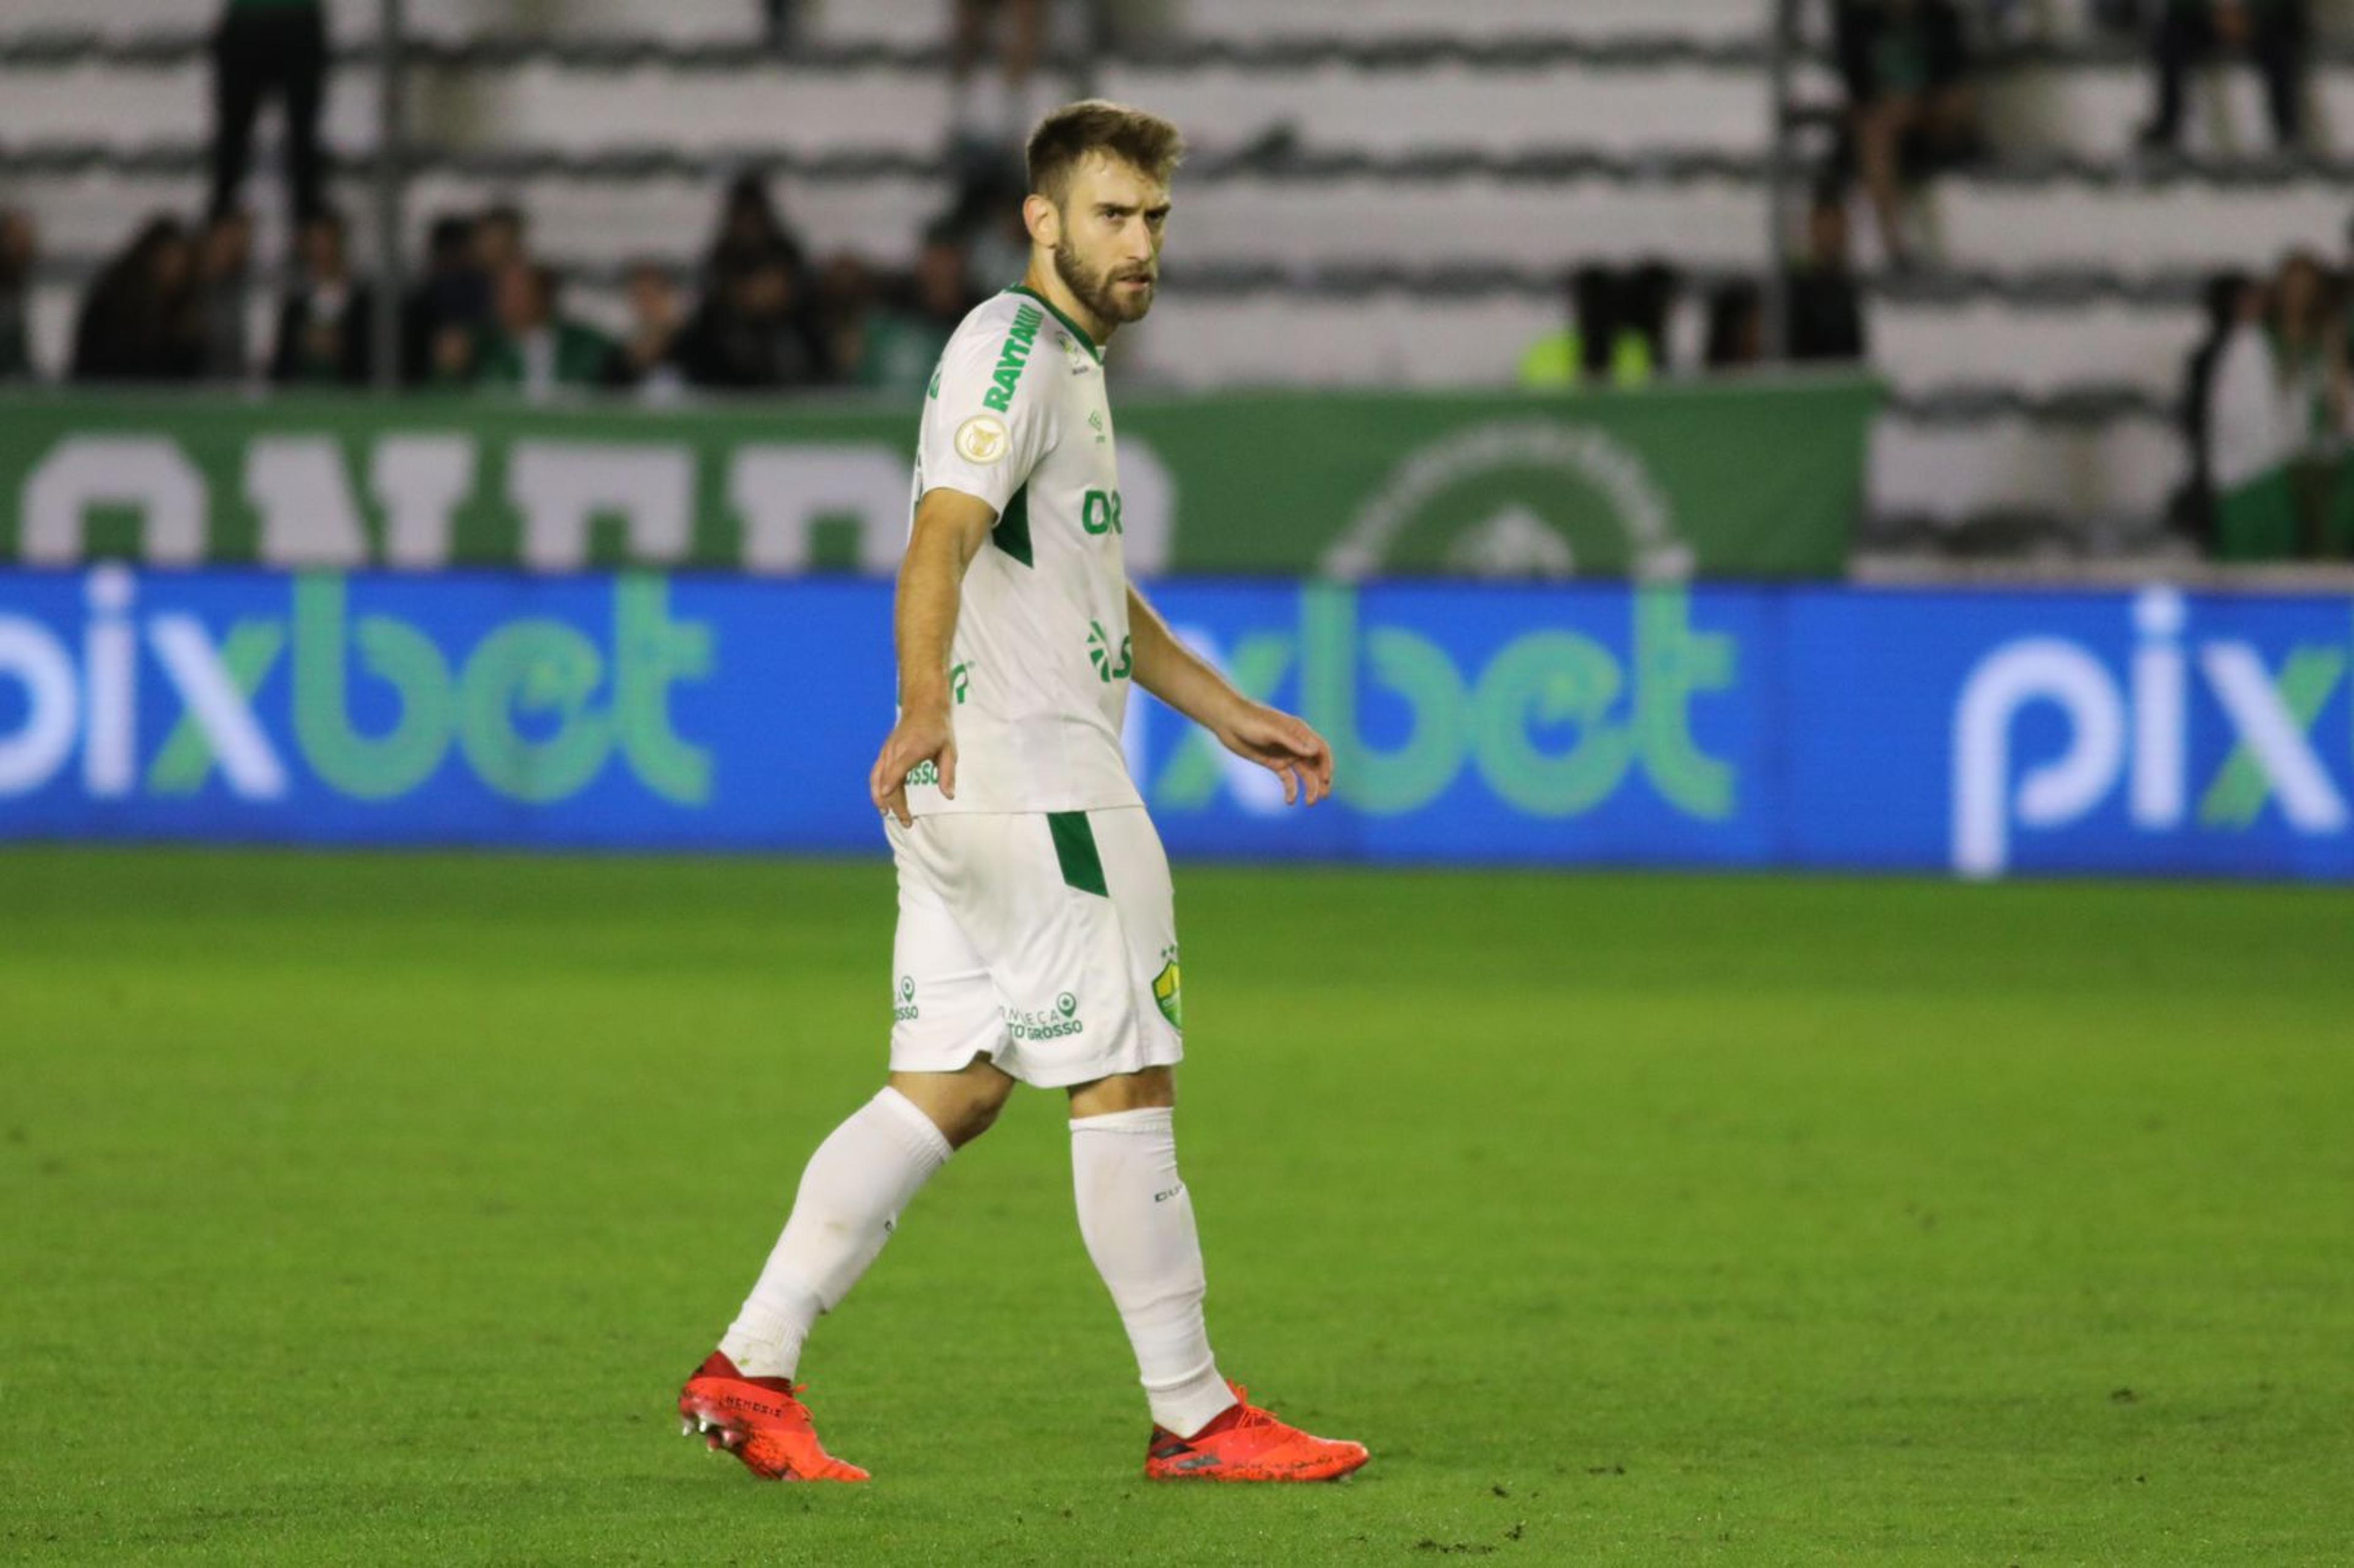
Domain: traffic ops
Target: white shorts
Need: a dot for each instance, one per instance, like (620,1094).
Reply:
(1046,942)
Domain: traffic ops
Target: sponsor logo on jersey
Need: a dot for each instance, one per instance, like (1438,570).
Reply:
(1100,513)
(924,772)
(1099,654)
(1047,1024)
(982,439)
(1011,358)
(904,1010)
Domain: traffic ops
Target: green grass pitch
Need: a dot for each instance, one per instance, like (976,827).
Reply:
(369,1208)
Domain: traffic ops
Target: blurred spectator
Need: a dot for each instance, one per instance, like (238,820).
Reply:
(1617,329)
(1826,315)
(784,20)
(502,238)
(20,248)
(846,310)
(751,230)
(2231,301)
(531,346)
(1911,110)
(1736,325)
(2273,34)
(1646,300)
(221,268)
(645,358)
(904,342)
(445,309)
(2274,385)
(323,330)
(141,321)
(751,331)
(990,106)
(988,217)
(1556,361)
(266,47)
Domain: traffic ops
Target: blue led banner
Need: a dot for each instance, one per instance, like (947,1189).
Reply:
(1979,733)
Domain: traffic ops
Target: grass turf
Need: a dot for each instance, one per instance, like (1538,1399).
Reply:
(370,1209)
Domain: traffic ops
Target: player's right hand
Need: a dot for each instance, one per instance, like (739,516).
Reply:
(922,735)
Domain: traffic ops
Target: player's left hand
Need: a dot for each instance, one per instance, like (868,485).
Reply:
(1284,745)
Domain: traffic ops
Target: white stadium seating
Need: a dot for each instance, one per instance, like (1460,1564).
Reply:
(1385,191)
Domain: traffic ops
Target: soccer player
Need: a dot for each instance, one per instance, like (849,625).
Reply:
(1037,942)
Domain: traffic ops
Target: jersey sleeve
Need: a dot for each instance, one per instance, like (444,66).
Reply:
(989,417)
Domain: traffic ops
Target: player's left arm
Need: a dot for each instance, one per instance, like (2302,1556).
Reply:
(1276,740)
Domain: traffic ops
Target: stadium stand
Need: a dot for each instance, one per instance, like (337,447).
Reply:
(1377,198)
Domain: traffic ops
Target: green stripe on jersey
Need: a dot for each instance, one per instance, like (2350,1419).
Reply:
(1075,849)
(1012,533)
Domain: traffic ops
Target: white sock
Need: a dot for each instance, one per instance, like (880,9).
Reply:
(850,1195)
(1137,1220)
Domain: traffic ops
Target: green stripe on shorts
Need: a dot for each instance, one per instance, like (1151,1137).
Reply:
(1075,847)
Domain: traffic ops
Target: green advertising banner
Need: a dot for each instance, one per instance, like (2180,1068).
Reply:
(1754,480)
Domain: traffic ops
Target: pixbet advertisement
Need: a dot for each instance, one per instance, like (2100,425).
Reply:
(1981,734)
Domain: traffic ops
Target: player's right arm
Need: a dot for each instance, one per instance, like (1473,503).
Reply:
(951,527)
(985,426)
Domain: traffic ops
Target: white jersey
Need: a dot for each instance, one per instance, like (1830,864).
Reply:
(1038,674)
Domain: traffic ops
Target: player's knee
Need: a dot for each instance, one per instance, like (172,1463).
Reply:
(971,1118)
(1150,1090)
(963,1105)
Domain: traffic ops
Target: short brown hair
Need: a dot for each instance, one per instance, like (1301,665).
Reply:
(1095,125)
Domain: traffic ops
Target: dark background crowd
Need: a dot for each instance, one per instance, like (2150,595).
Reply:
(485,312)
(757,314)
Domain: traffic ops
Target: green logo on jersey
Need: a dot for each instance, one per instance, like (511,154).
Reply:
(1100,513)
(1099,654)
(960,680)
(924,772)
(904,1010)
(1011,358)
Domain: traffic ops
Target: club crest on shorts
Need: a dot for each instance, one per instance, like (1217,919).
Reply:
(1166,991)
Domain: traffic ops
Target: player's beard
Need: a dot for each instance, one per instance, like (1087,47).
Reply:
(1099,291)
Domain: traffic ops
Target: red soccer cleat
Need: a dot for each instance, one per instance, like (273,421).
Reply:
(1248,1443)
(757,1420)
